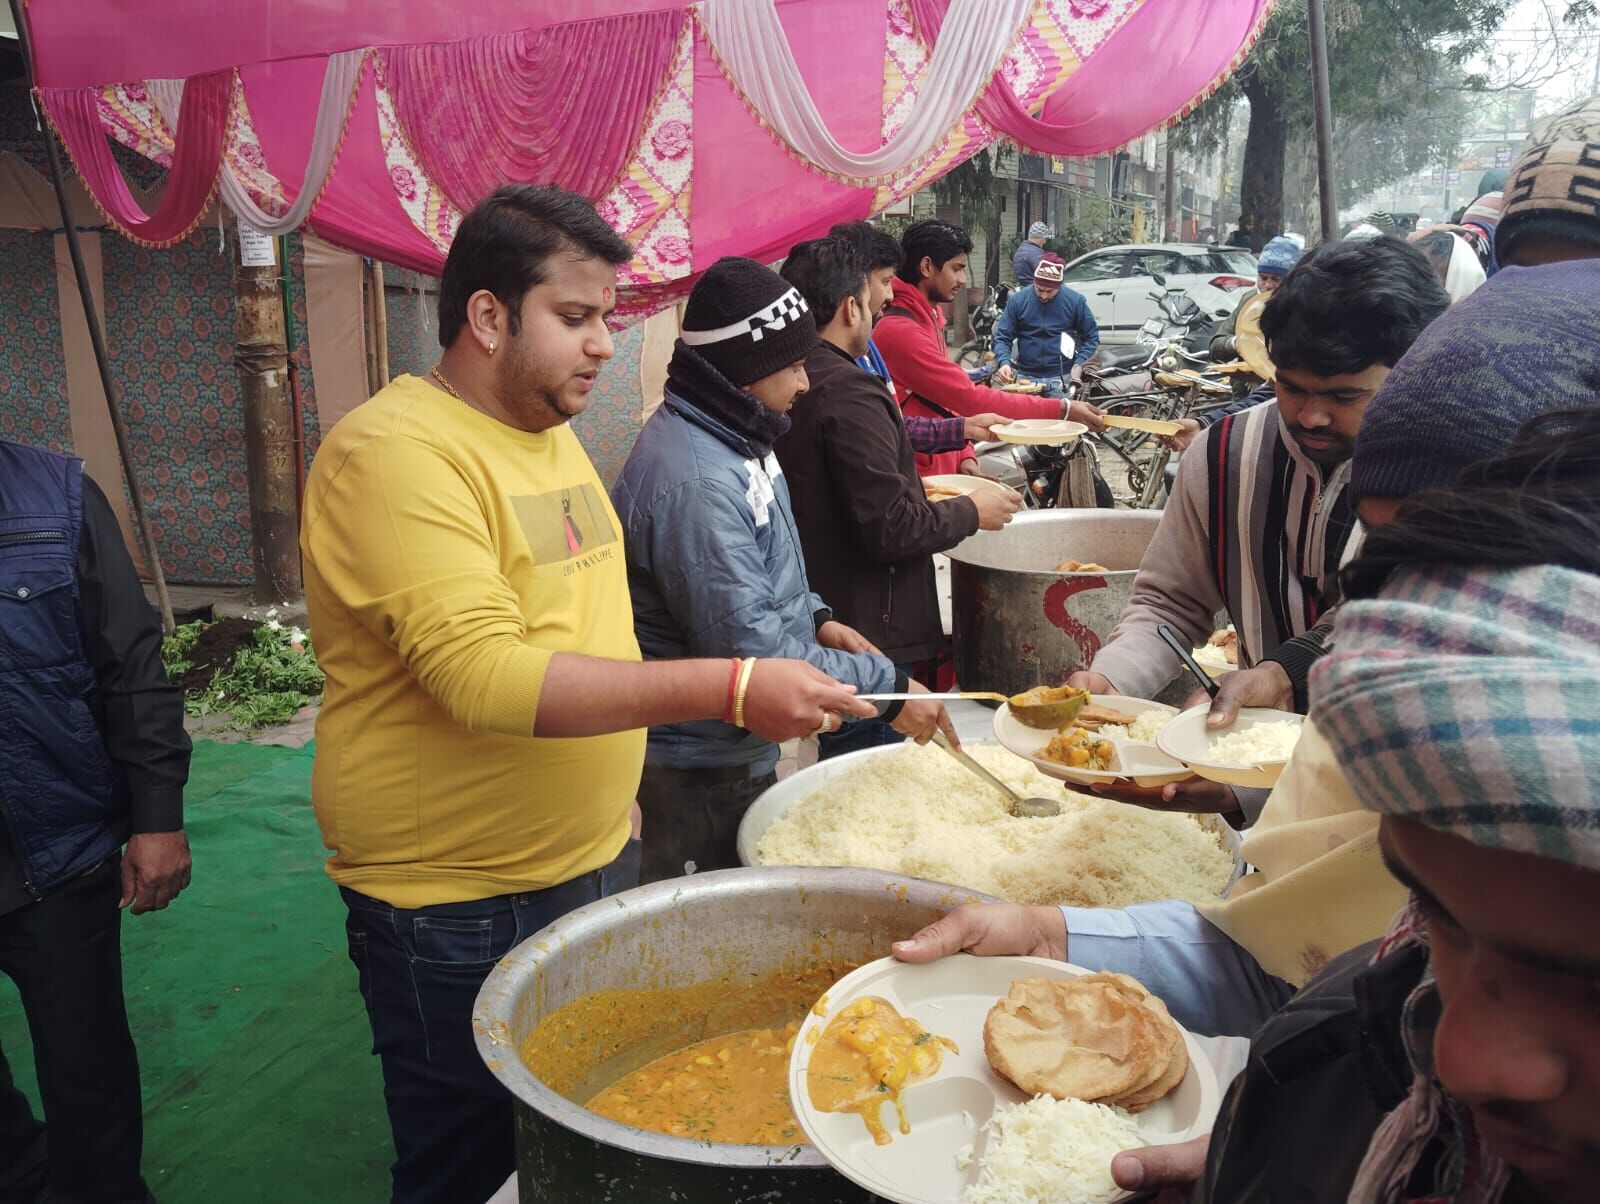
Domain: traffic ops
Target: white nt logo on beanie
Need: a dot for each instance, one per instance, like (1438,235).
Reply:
(790,307)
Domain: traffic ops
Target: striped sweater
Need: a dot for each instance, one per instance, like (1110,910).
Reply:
(1253,528)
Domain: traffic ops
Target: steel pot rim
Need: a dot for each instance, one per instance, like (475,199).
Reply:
(491,1013)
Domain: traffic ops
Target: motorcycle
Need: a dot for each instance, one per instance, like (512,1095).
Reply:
(971,353)
(1183,329)
(1046,477)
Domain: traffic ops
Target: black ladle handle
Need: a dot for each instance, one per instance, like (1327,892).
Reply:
(1177,645)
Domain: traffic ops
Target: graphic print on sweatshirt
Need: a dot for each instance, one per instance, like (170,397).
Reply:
(567,525)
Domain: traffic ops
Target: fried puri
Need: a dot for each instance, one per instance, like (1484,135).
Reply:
(1101,1038)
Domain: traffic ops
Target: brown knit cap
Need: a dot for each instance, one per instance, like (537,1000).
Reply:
(1555,184)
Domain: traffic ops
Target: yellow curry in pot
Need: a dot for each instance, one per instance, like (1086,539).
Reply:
(733,1089)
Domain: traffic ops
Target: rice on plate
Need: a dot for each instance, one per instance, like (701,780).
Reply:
(1259,744)
(916,811)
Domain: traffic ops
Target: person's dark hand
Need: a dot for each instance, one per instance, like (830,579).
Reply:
(969,467)
(1005,374)
(1092,416)
(1095,683)
(995,507)
(785,700)
(155,869)
(844,638)
(979,428)
(1195,796)
(1188,432)
(919,719)
(1265,685)
(1157,1167)
(989,930)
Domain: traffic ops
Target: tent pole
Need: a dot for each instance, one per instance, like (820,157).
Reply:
(91,317)
(1323,111)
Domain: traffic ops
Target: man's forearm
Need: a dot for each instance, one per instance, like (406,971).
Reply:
(592,696)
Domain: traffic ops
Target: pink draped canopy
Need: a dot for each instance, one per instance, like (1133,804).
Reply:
(699,130)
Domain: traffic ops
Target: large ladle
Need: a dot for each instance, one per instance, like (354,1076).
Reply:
(1022,808)
(1048,715)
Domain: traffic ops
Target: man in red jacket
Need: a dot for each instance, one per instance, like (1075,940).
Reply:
(910,337)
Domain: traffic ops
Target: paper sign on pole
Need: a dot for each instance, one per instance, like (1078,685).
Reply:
(256,250)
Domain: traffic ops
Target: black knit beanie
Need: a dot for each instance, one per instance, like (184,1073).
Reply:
(1523,344)
(747,321)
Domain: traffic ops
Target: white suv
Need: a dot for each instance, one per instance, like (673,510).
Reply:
(1117,282)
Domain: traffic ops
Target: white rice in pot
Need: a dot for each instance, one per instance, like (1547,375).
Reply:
(916,811)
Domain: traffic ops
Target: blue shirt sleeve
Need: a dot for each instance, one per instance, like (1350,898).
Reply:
(1005,330)
(1210,984)
(1258,396)
(1087,333)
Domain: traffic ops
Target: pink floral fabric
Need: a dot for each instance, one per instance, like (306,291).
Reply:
(484,110)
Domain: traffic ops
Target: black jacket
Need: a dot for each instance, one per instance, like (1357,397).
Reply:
(867,528)
(1323,1073)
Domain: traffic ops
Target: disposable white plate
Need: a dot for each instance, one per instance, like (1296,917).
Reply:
(1142,762)
(1187,738)
(961,483)
(1056,432)
(951,998)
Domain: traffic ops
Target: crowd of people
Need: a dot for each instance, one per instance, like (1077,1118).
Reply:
(541,692)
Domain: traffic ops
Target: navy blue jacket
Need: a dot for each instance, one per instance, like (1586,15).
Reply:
(64,801)
(1028,334)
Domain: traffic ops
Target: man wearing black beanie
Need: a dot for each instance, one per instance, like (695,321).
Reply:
(715,562)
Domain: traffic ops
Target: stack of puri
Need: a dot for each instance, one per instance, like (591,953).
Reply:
(1102,1038)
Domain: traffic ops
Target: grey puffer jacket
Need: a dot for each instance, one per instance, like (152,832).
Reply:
(716,570)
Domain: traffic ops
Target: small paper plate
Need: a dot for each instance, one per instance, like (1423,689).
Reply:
(951,998)
(1052,431)
(1142,762)
(960,482)
(1153,425)
(1186,738)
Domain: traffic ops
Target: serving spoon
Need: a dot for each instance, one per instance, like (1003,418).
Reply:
(1022,808)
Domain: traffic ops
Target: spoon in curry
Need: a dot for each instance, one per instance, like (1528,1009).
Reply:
(1022,808)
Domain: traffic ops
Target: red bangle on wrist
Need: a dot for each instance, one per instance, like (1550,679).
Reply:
(733,685)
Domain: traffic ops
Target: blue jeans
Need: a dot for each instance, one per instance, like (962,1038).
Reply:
(419,972)
(1054,386)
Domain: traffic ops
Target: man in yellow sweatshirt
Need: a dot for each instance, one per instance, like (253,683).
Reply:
(483,726)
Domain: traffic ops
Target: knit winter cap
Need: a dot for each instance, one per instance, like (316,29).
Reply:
(1381,220)
(747,321)
(1485,211)
(1465,699)
(1051,268)
(1526,342)
(1040,230)
(1555,184)
(1278,256)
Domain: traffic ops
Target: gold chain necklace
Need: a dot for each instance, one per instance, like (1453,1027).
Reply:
(446,385)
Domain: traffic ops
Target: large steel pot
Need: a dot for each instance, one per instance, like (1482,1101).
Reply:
(732,924)
(1017,622)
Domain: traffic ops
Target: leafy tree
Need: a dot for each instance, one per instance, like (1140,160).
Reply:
(970,190)
(1397,72)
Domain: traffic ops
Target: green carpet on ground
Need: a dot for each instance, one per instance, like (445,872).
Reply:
(259,1084)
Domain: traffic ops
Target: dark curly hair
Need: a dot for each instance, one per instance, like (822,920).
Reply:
(1349,305)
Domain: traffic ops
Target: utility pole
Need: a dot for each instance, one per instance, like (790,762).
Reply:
(1169,218)
(1323,105)
(261,355)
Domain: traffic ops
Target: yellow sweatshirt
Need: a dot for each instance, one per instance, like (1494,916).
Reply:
(447,558)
